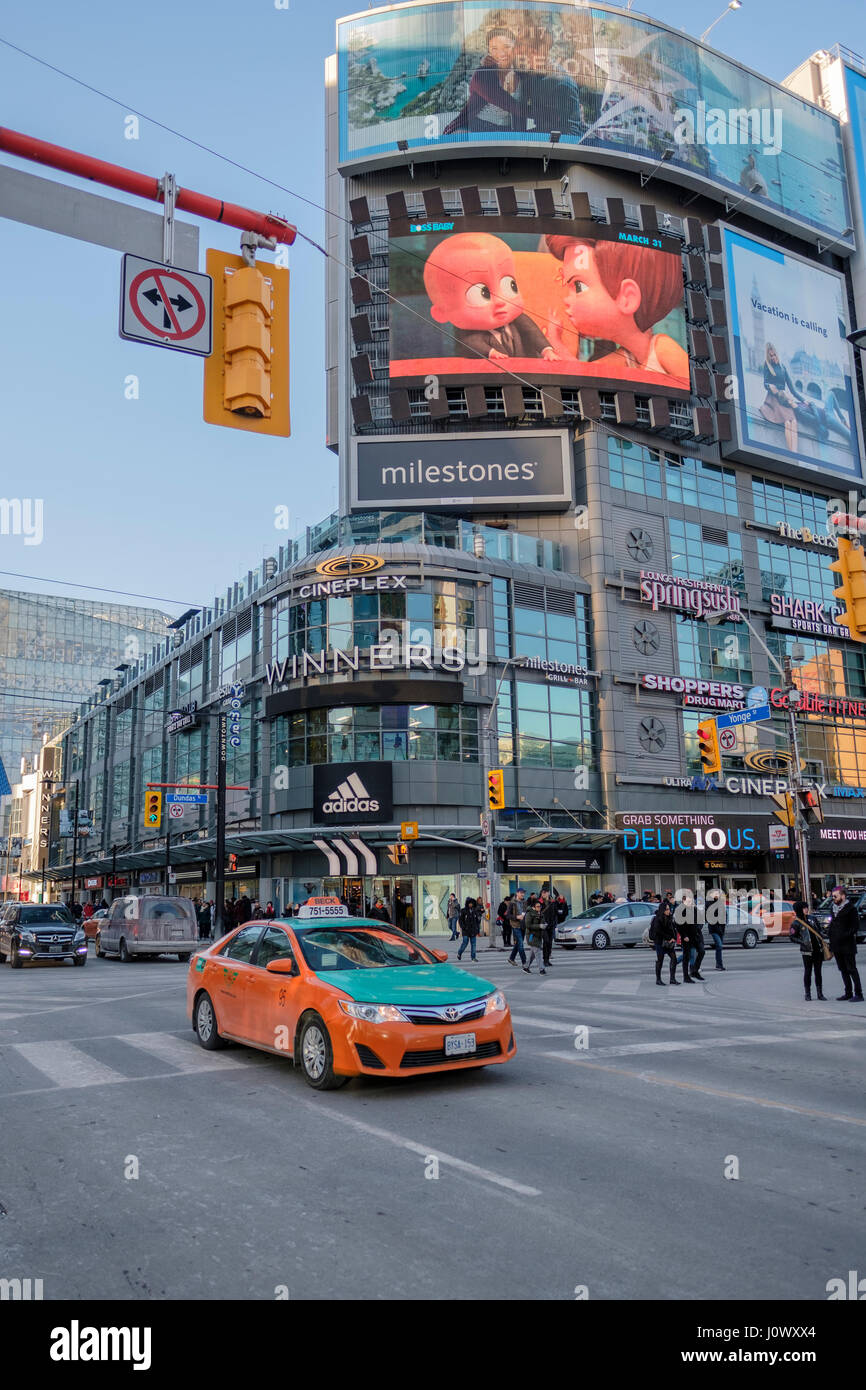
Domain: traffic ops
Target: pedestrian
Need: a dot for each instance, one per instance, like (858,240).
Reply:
(516,919)
(663,935)
(844,925)
(716,919)
(229,922)
(808,937)
(562,909)
(270,911)
(452,912)
(685,918)
(534,934)
(379,912)
(88,911)
(549,919)
(503,923)
(244,910)
(204,921)
(470,922)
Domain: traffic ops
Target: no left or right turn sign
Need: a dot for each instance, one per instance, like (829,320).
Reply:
(728,739)
(168,307)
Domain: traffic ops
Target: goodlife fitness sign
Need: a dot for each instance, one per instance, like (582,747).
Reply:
(694,595)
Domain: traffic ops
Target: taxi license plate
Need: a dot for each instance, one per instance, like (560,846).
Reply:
(458,1044)
(54,949)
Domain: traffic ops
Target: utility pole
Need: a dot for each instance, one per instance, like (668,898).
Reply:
(113,866)
(167,857)
(800,834)
(220,870)
(74,843)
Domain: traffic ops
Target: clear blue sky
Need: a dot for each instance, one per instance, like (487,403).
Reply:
(142,495)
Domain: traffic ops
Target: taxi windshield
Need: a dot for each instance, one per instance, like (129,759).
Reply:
(360,948)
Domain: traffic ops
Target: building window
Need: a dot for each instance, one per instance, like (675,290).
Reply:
(774,502)
(120,791)
(501,620)
(443,614)
(551,625)
(372,733)
(658,473)
(826,669)
(151,766)
(188,758)
(554,726)
(719,653)
(803,574)
(699,552)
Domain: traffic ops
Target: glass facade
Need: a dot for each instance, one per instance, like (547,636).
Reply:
(657,473)
(53,653)
(441,614)
(718,558)
(359,733)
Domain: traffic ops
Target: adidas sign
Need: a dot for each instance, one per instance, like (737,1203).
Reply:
(350,795)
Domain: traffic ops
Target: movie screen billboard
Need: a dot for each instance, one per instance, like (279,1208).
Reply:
(793,400)
(452,74)
(565,303)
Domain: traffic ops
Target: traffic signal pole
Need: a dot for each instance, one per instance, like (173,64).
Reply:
(220,851)
(800,837)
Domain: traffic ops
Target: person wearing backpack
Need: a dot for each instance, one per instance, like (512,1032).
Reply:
(663,935)
(470,922)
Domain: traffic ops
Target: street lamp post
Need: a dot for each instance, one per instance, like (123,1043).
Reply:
(487,737)
(733,5)
(793,700)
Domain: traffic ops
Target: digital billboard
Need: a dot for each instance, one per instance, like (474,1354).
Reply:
(565,303)
(467,72)
(793,400)
(855,87)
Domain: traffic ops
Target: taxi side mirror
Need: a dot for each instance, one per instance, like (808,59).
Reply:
(441,956)
(283,965)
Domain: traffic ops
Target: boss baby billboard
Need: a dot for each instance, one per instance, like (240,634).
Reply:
(577,302)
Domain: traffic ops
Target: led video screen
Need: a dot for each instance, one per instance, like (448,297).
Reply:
(793,400)
(568,302)
(473,73)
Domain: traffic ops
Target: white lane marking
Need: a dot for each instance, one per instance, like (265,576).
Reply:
(88,1003)
(186,1055)
(532,1021)
(622,986)
(711,1044)
(424,1150)
(562,986)
(66,1066)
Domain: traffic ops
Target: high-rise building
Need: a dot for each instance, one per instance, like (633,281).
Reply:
(53,653)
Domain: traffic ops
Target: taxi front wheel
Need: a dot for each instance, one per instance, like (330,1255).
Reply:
(316,1056)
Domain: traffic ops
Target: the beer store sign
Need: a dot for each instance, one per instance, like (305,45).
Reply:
(804,615)
(659,832)
(694,595)
(701,694)
(806,536)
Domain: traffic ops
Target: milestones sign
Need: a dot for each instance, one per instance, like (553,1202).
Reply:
(457,470)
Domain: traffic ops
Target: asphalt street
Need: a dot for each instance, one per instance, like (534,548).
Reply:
(135,1165)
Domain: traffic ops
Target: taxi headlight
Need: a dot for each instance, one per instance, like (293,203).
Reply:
(372,1013)
(495,1003)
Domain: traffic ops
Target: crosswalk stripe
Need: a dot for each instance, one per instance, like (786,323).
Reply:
(65,1065)
(710,1044)
(534,1021)
(185,1055)
(622,986)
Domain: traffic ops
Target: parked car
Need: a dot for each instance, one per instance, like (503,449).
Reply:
(608,924)
(40,931)
(743,927)
(92,924)
(148,925)
(777,918)
(824,910)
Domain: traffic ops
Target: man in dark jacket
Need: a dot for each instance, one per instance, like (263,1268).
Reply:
(244,910)
(204,921)
(549,919)
(470,925)
(516,917)
(843,943)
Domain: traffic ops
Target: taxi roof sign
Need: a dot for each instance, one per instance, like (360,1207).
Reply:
(322,908)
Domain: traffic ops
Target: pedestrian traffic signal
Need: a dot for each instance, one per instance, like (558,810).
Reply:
(152,809)
(785,811)
(398,854)
(233,863)
(246,378)
(810,805)
(496,789)
(708,743)
(850,565)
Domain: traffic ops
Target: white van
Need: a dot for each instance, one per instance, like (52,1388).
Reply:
(148,925)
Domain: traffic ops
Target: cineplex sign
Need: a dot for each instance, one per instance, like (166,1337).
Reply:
(660,832)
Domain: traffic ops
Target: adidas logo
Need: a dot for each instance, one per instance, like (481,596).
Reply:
(350,795)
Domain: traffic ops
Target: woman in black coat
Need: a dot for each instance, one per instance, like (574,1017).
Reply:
(663,935)
(470,925)
(808,938)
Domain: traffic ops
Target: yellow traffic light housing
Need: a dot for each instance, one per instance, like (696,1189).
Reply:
(398,854)
(246,378)
(850,565)
(496,789)
(152,810)
(785,811)
(708,743)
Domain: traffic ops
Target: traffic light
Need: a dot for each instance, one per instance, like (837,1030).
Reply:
(810,805)
(152,809)
(784,808)
(398,854)
(233,864)
(708,743)
(851,593)
(246,378)
(496,789)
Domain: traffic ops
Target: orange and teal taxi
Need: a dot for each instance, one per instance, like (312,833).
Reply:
(345,996)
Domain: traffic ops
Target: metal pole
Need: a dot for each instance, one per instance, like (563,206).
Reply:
(74,843)
(8,853)
(220,870)
(42,899)
(167,858)
(489,852)
(800,838)
(113,866)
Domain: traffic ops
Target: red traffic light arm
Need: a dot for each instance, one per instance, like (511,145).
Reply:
(84,166)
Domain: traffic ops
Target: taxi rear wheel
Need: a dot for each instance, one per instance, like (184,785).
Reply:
(316,1056)
(206,1024)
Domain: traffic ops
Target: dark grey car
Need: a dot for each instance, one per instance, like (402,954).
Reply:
(41,931)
